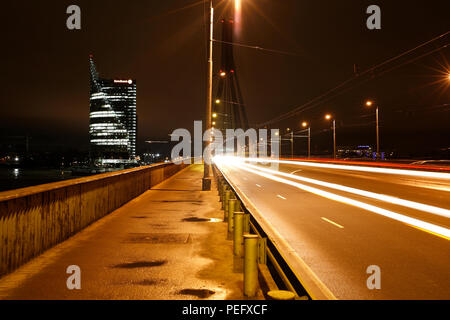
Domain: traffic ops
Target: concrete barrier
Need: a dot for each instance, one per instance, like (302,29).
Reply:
(36,218)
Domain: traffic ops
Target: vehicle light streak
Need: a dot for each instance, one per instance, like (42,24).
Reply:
(382,197)
(421,225)
(414,173)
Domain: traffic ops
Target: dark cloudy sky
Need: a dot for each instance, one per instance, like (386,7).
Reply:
(45,79)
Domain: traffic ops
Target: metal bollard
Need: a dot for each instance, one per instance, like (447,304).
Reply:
(250,264)
(246,223)
(219,188)
(281,295)
(225,202)
(238,207)
(238,243)
(231,209)
(224,190)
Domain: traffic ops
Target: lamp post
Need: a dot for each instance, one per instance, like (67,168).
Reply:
(369,103)
(277,134)
(206,181)
(329,117)
(291,139)
(304,125)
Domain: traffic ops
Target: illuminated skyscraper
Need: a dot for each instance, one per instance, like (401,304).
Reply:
(113,120)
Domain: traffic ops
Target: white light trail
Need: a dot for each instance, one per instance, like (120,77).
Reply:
(406,172)
(382,197)
(429,227)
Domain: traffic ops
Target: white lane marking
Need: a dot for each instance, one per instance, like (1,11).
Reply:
(258,185)
(377,196)
(405,172)
(332,222)
(281,197)
(293,172)
(426,226)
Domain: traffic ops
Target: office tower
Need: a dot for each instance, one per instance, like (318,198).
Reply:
(113,120)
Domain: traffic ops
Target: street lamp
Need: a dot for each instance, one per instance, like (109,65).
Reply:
(292,141)
(304,125)
(206,180)
(329,117)
(217,101)
(370,103)
(277,134)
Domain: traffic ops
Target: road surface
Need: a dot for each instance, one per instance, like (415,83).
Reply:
(342,219)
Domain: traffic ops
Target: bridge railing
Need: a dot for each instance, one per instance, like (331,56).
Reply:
(36,218)
(284,264)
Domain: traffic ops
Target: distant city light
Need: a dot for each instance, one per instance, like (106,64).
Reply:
(328,116)
(369,103)
(304,124)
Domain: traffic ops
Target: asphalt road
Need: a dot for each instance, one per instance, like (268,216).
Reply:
(339,229)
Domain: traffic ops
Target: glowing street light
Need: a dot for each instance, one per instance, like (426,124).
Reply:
(370,103)
(222,74)
(329,117)
(304,125)
(214,115)
(217,101)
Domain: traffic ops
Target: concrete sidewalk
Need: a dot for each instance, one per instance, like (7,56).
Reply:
(169,243)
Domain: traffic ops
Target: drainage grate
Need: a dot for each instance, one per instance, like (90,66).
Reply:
(158,238)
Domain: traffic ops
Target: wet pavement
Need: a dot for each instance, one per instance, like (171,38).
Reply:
(169,243)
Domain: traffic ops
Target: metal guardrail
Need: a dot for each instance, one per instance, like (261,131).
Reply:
(289,271)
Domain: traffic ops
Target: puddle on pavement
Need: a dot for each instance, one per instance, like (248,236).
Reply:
(181,238)
(140,264)
(178,201)
(196,219)
(199,293)
(147,282)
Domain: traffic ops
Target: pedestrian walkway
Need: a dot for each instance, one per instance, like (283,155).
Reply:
(169,243)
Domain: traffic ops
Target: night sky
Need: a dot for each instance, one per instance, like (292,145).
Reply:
(161,44)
